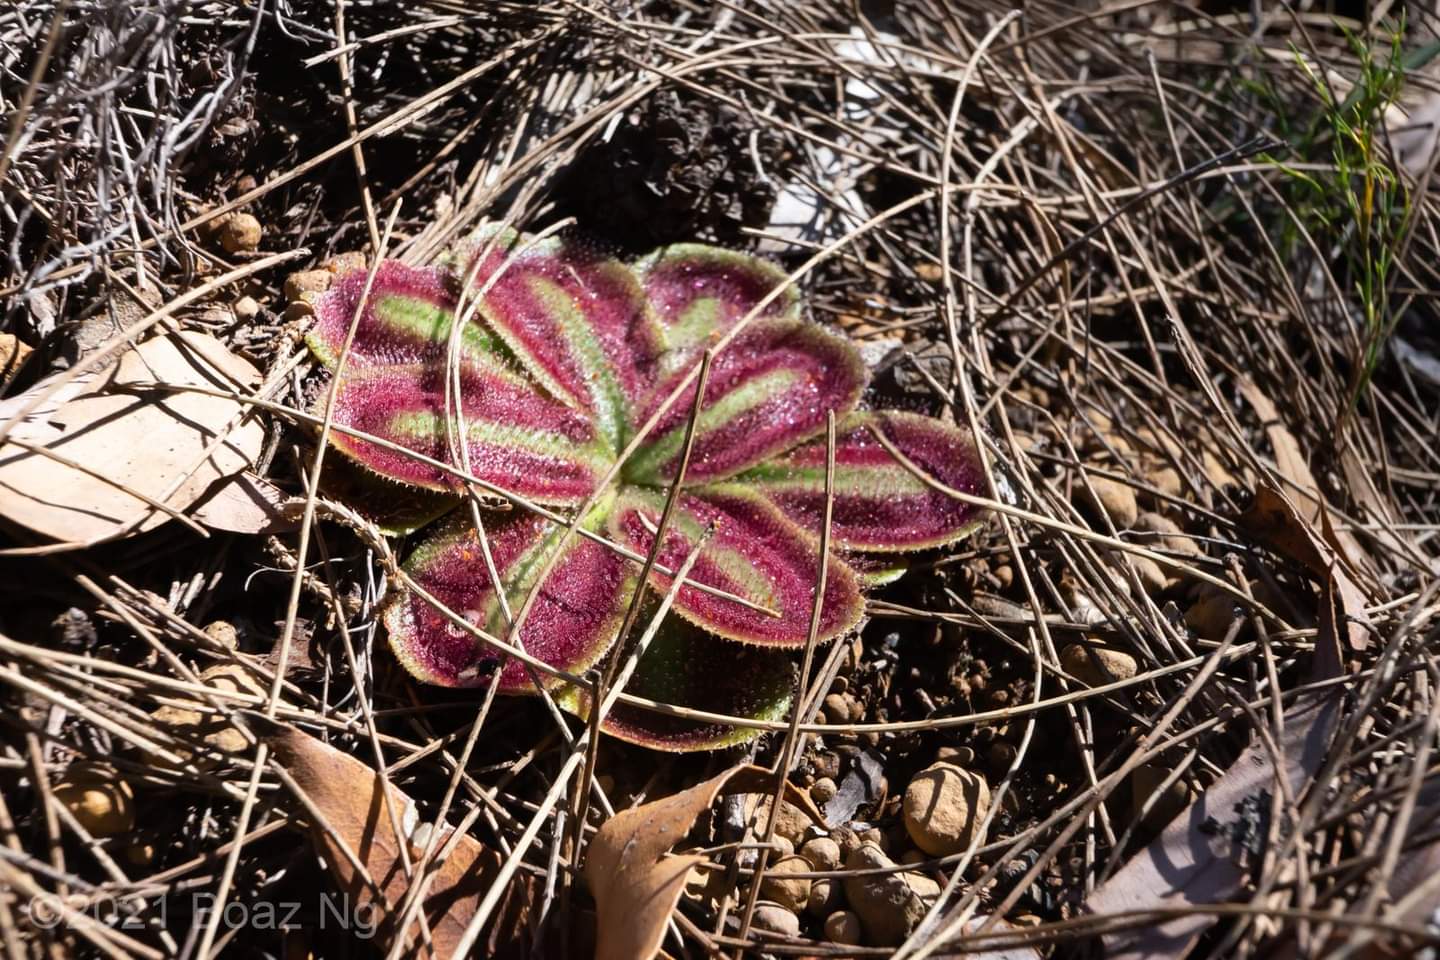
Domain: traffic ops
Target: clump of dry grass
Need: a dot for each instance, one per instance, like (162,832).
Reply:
(1058,227)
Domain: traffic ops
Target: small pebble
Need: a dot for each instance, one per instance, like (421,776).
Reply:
(791,822)
(223,633)
(239,233)
(836,707)
(790,892)
(822,790)
(822,852)
(99,798)
(303,308)
(1096,665)
(1152,578)
(825,898)
(1115,499)
(923,886)
(887,906)
(776,919)
(943,805)
(246,308)
(307,281)
(843,927)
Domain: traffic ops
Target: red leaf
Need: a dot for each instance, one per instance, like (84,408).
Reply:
(519,440)
(769,390)
(756,554)
(699,292)
(880,504)
(578,322)
(407,319)
(571,625)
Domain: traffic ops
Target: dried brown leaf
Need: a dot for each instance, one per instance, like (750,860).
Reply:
(1192,862)
(635,885)
(123,433)
(1292,465)
(245,504)
(354,801)
(1272,519)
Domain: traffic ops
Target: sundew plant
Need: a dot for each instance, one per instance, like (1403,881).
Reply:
(564,356)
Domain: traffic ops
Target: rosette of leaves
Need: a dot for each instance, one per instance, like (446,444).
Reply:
(563,356)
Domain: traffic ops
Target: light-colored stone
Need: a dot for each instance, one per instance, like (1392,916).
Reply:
(886,905)
(822,790)
(843,927)
(1152,578)
(791,823)
(210,727)
(776,919)
(826,896)
(781,886)
(1096,665)
(836,707)
(943,806)
(924,886)
(100,799)
(822,852)
(246,308)
(1115,499)
(239,233)
(307,281)
(223,633)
